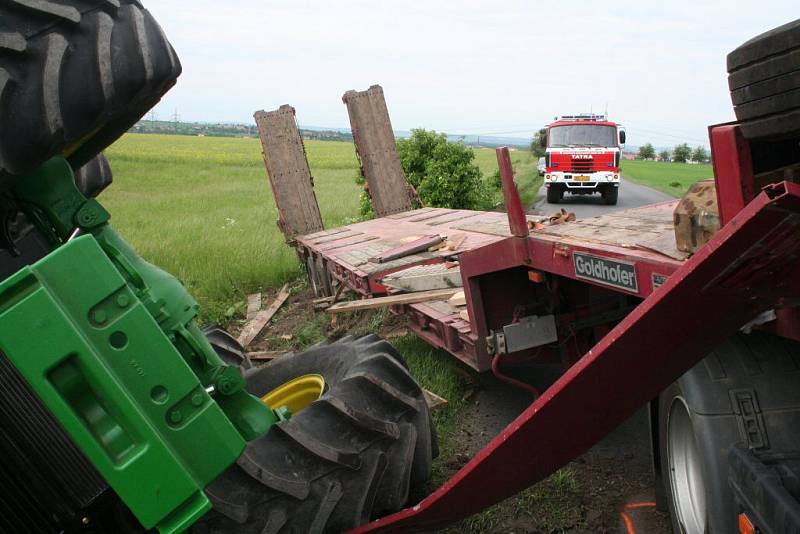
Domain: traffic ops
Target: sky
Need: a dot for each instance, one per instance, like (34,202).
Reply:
(468,67)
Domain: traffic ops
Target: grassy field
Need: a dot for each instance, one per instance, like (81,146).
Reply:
(670,178)
(201,208)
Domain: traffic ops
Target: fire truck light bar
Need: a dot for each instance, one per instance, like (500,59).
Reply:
(582,117)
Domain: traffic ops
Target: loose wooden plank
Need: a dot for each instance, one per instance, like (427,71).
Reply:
(459,299)
(403,298)
(254,327)
(406,249)
(433,400)
(253,305)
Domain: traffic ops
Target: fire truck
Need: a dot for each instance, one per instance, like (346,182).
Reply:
(582,157)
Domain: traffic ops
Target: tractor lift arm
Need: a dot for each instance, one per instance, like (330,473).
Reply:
(749,266)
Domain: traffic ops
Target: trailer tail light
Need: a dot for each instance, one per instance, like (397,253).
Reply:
(745,525)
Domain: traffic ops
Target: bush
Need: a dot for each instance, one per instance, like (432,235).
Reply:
(443,172)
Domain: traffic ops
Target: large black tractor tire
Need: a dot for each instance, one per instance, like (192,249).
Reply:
(610,195)
(75,76)
(764,79)
(354,454)
(555,193)
(93,178)
(700,420)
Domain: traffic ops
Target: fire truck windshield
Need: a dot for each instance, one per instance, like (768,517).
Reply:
(582,135)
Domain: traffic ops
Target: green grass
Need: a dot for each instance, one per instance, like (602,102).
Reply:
(201,208)
(670,178)
(524,164)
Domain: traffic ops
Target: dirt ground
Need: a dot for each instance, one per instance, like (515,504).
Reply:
(587,495)
(608,489)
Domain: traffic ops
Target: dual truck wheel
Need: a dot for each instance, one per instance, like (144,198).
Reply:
(555,193)
(73,78)
(700,417)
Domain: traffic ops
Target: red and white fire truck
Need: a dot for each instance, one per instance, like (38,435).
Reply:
(582,157)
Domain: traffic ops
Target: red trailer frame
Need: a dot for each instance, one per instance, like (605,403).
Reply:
(748,267)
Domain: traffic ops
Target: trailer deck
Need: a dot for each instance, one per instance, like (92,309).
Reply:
(642,237)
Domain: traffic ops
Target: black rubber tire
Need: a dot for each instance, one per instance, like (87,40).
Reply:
(94,177)
(763,366)
(764,79)
(610,195)
(555,193)
(74,77)
(227,347)
(352,455)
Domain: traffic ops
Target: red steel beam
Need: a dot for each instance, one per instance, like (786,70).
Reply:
(516,213)
(749,266)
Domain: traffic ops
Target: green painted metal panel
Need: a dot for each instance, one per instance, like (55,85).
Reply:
(96,356)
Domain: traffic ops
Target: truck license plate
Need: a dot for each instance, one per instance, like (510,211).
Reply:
(582,178)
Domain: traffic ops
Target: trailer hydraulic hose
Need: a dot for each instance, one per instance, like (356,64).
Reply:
(509,380)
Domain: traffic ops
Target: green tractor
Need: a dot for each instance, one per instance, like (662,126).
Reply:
(117,411)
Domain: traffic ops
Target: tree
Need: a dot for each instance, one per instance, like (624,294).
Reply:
(443,173)
(681,153)
(663,155)
(647,151)
(699,154)
(536,144)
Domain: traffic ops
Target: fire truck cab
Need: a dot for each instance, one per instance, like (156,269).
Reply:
(582,156)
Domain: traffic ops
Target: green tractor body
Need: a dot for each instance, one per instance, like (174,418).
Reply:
(109,343)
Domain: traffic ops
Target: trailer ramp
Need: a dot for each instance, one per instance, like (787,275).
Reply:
(749,266)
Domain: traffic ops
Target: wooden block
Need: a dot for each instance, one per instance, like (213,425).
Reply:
(254,327)
(433,400)
(253,305)
(403,298)
(454,241)
(696,216)
(459,299)
(464,314)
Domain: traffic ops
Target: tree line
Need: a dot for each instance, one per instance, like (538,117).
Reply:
(680,153)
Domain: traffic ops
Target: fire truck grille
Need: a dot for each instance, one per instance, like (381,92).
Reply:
(582,165)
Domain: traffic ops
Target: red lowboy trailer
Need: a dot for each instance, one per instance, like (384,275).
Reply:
(707,334)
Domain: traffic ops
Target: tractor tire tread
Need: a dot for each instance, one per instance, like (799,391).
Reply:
(349,456)
(73,78)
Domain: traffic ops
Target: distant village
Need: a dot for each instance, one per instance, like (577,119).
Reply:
(202,129)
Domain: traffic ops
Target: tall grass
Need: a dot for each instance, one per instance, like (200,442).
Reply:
(201,208)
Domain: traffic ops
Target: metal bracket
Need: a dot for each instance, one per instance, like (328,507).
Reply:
(531,331)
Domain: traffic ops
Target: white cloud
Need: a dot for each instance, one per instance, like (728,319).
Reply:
(458,66)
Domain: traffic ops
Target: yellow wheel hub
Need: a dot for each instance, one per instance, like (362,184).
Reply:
(295,394)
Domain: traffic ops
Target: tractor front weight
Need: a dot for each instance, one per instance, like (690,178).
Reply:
(110,344)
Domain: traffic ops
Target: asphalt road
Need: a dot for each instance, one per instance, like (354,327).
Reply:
(630,196)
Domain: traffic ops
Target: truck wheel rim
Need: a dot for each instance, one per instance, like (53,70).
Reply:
(685,470)
(295,394)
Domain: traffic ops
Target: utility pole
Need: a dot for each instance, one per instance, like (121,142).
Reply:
(175,120)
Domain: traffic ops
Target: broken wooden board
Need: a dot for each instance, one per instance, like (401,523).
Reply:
(288,172)
(433,400)
(424,278)
(404,298)
(376,148)
(253,305)
(459,299)
(254,327)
